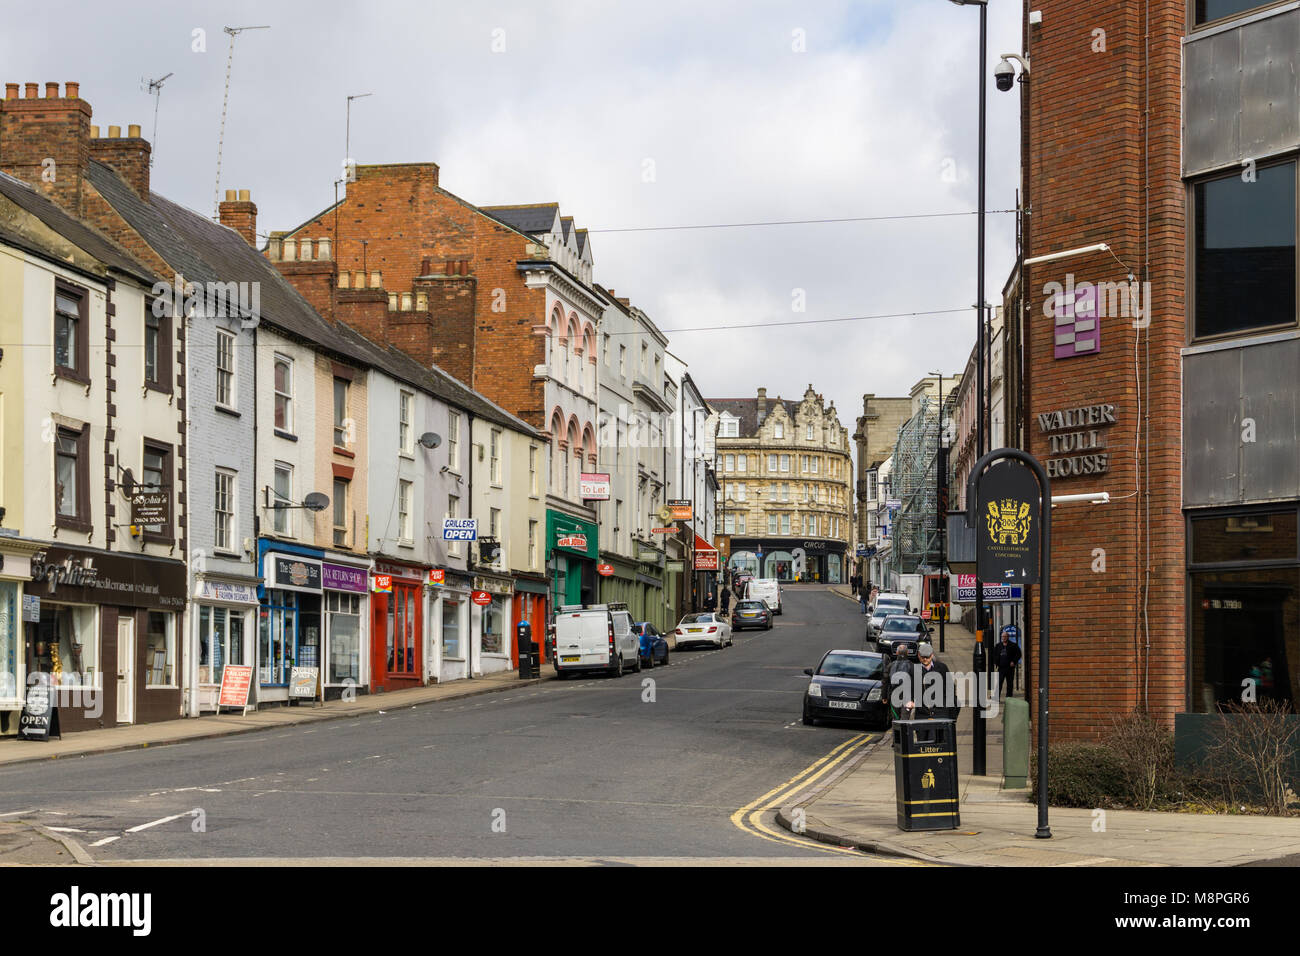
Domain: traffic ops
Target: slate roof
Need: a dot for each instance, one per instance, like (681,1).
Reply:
(582,241)
(746,409)
(531,219)
(74,230)
(208,251)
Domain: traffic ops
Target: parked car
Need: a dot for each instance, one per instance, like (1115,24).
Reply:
(740,585)
(885,606)
(751,614)
(654,646)
(765,589)
(906,629)
(847,685)
(595,637)
(708,627)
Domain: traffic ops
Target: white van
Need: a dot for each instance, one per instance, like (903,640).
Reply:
(766,589)
(595,637)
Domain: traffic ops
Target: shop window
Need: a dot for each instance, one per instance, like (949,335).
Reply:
(1269,536)
(451,628)
(221,641)
(9,631)
(345,637)
(277,625)
(1244,256)
(160,649)
(493,627)
(1208,10)
(66,644)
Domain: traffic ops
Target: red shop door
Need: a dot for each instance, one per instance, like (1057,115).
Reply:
(397,645)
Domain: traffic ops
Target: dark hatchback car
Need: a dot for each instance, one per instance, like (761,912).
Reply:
(907,629)
(847,685)
(751,614)
(654,646)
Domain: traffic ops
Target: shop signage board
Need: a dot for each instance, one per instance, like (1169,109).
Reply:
(675,567)
(605,570)
(32,608)
(40,716)
(151,507)
(481,598)
(993,594)
(437,576)
(460,529)
(295,573)
(205,590)
(680,509)
(1007,534)
(706,560)
(647,556)
(340,577)
(578,541)
(303,681)
(382,583)
(1079,434)
(235,681)
(663,530)
(594,485)
(82,576)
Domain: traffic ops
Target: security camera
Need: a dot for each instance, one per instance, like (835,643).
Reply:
(1004,74)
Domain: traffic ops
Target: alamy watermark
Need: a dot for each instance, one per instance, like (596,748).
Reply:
(210,300)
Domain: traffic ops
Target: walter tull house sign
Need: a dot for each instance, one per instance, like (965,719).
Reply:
(1076,440)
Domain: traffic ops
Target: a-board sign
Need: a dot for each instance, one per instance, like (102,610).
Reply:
(235,681)
(1006,533)
(302,682)
(40,716)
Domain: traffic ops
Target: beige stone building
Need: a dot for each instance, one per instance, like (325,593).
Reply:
(785,479)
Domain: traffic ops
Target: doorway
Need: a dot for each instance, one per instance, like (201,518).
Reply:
(126,669)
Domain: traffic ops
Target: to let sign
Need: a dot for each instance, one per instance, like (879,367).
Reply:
(1006,532)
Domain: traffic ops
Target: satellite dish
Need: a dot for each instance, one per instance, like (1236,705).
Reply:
(665,514)
(316,501)
(430,440)
(128,482)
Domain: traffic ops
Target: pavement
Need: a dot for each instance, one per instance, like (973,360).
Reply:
(998,826)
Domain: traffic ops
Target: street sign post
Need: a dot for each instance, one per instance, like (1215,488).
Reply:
(1008,538)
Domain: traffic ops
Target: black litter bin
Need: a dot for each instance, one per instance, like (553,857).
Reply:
(925,774)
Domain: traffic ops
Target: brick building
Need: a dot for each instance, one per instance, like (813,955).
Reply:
(1163,370)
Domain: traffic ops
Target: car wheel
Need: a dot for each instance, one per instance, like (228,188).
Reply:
(617,670)
(649,662)
(636,668)
(665,657)
(809,721)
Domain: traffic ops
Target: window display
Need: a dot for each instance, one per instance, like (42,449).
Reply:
(451,627)
(65,642)
(160,649)
(493,622)
(221,641)
(345,637)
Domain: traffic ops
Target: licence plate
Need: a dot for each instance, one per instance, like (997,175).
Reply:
(694,630)
(843,704)
(571,660)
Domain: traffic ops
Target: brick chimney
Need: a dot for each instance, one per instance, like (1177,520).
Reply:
(240,214)
(128,155)
(762,405)
(45,140)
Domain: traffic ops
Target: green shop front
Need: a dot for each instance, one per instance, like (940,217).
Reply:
(572,555)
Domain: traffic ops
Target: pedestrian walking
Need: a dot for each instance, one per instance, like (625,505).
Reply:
(726,600)
(1006,655)
(710,602)
(898,686)
(930,688)
(853,583)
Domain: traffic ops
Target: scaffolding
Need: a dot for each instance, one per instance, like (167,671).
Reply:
(915,528)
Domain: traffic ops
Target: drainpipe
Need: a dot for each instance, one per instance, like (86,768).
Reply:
(469,565)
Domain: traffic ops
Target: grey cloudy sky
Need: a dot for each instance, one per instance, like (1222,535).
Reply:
(738,125)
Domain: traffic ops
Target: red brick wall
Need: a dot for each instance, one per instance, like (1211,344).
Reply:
(34,128)
(1093,171)
(412,228)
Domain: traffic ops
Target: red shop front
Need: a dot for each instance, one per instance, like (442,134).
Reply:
(397,627)
(530,605)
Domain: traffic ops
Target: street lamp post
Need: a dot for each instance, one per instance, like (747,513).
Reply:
(941,513)
(978,741)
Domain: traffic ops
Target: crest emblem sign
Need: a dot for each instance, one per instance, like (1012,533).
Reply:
(1007,536)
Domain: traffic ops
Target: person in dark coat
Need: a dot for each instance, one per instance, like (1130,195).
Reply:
(924,704)
(898,695)
(1006,655)
(726,600)
(710,602)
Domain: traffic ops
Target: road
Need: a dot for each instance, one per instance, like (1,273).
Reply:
(687,767)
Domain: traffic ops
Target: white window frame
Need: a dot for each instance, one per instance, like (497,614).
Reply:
(810,432)
(494,457)
(405,497)
(532,544)
(772,523)
(232,514)
(532,470)
(740,524)
(778,430)
(742,463)
(771,463)
(405,424)
(453,511)
(287,530)
(288,426)
(453,442)
(226,347)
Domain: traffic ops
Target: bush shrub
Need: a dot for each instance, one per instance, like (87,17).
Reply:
(1080,775)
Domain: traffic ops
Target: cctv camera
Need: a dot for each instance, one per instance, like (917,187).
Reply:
(1004,74)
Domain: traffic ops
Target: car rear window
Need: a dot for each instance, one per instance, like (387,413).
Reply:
(698,619)
(749,606)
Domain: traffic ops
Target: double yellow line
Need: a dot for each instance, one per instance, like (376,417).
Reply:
(749,818)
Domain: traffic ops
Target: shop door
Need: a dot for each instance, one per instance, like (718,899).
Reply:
(125,669)
(378,641)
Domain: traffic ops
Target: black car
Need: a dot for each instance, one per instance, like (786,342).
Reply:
(848,685)
(751,614)
(907,629)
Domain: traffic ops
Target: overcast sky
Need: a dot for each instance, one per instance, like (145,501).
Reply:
(877,116)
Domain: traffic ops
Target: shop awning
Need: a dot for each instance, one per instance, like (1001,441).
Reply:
(702,545)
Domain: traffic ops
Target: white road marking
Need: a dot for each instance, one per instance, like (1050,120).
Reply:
(65,829)
(105,841)
(18,813)
(146,826)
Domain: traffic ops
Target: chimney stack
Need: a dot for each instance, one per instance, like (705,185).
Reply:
(762,405)
(45,141)
(240,213)
(129,155)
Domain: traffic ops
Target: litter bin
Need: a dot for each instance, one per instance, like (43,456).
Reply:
(529,666)
(925,774)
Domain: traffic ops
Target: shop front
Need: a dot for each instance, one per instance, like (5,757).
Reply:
(397,628)
(451,647)
(312,615)
(222,625)
(15,573)
(495,614)
(786,559)
(530,606)
(573,555)
(87,613)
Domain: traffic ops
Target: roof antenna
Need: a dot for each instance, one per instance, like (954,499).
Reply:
(225,100)
(155,87)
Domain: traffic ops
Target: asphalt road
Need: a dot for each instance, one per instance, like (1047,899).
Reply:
(598,770)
